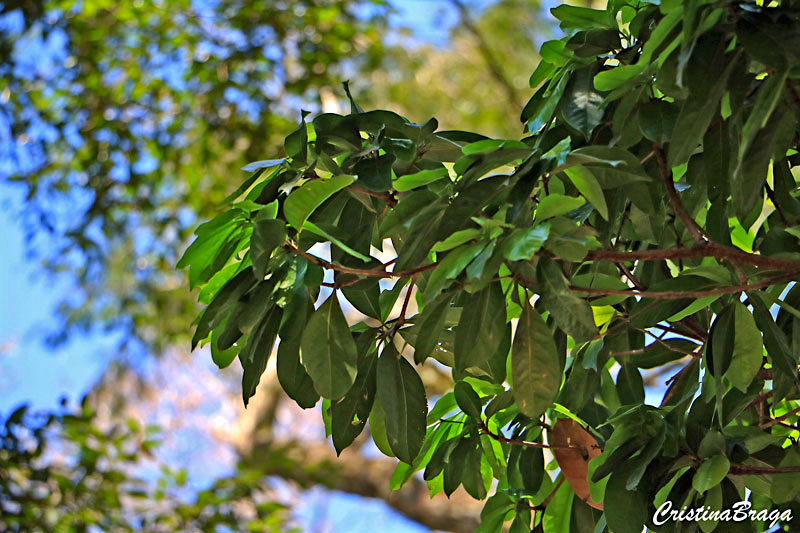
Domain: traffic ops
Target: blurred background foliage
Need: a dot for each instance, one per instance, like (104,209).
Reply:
(122,124)
(66,471)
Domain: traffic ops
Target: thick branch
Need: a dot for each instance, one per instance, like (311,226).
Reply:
(491,61)
(315,463)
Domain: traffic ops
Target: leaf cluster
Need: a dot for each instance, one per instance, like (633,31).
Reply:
(647,224)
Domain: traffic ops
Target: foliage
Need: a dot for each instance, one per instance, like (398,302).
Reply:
(120,123)
(65,472)
(648,223)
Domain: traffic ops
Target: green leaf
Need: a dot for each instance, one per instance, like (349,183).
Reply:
(657,120)
(570,313)
(582,18)
(555,204)
(594,42)
(785,487)
(467,399)
(293,376)
(338,242)
(255,354)
(215,244)
(420,179)
(524,242)
(557,514)
(328,352)
(454,465)
(449,268)
(774,338)
(535,365)
(377,427)
(699,108)
(769,94)
(349,415)
(375,174)
(267,235)
(587,185)
(625,511)
(302,202)
(608,80)
(431,326)
(481,328)
(296,142)
(542,106)
(711,473)
(543,70)
(719,349)
(747,349)
(365,298)
(222,358)
(582,105)
(402,397)
(456,239)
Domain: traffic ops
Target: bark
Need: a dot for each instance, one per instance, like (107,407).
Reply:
(315,463)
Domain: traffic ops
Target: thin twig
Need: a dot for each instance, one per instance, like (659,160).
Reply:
(679,295)
(369,273)
(707,250)
(669,183)
(500,438)
(402,318)
(774,421)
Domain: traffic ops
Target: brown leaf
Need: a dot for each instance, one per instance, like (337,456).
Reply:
(574,462)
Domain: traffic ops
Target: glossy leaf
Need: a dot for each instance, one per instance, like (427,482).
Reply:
(328,352)
(535,366)
(402,397)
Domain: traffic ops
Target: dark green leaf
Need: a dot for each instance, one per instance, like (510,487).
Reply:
(570,313)
(481,328)
(582,105)
(467,399)
(349,414)
(267,235)
(375,173)
(293,376)
(431,326)
(524,242)
(402,396)
(328,352)
(255,354)
(535,366)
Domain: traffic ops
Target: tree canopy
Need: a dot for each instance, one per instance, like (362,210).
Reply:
(648,224)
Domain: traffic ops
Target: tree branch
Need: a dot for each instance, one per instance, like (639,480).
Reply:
(669,183)
(738,469)
(678,295)
(500,438)
(774,421)
(704,250)
(366,272)
(488,56)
